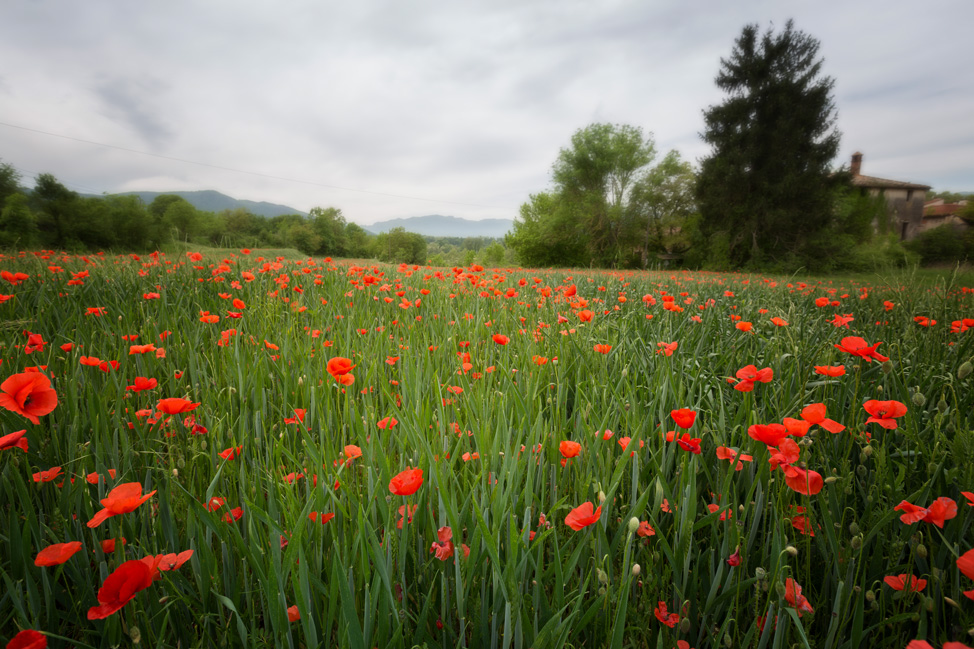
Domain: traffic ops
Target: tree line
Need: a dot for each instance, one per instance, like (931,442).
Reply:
(51,216)
(765,198)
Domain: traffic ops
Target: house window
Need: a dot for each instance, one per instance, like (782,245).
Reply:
(909,195)
(903,226)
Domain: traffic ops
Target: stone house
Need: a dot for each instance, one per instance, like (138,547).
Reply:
(937,213)
(904,200)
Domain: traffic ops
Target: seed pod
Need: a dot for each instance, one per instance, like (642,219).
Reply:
(965,370)
(918,399)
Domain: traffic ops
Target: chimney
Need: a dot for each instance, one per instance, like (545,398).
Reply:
(856,163)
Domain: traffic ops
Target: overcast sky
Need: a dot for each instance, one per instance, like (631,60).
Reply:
(404,108)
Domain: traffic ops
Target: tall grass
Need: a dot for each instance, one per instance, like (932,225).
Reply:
(369,576)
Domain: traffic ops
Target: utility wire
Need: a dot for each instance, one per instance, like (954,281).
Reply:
(244,171)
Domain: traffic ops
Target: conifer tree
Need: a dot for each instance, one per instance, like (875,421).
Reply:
(765,192)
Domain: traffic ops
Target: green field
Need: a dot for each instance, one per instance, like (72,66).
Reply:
(221,385)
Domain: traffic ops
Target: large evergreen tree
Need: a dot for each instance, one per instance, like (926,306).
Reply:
(766,192)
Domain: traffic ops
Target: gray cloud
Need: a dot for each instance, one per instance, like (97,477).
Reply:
(458,102)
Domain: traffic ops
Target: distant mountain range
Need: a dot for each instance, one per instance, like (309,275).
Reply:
(209,200)
(437,225)
(432,225)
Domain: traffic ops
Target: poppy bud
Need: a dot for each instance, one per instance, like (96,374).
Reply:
(830,479)
(603,578)
(636,569)
(685,626)
(760,572)
(134,632)
(870,596)
(601,497)
(203,445)
(965,370)
(633,525)
(300,381)
(862,471)
(928,604)
(856,542)
(879,389)
(175,473)
(181,463)
(780,589)
(792,550)
(918,399)
(853,529)
(887,367)
(952,603)
(921,551)
(601,592)
(728,641)
(867,451)
(942,405)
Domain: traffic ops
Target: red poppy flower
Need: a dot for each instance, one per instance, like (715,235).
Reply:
(500,339)
(339,366)
(406,483)
(351,452)
(142,383)
(322,518)
(28,638)
(387,422)
(691,444)
(603,349)
(830,370)
(55,555)
(965,563)
(744,326)
(293,614)
(122,499)
(770,434)
(570,449)
(14,440)
(684,417)
(794,597)
(406,515)
(120,588)
(805,482)
(749,375)
(166,562)
(47,476)
(734,560)
(666,348)
(941,510)
(815,414)
(911,513)
(796,427)
(583,516)
(443,547)
(28,394)
(645,529)
(231,453)
(175,406)
(884,412)
(585,315)
(233,515)
(859,347)
(669,619)
(905,582)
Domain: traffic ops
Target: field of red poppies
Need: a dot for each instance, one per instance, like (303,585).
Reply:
(231,450)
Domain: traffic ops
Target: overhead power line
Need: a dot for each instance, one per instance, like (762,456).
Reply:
(244,171)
